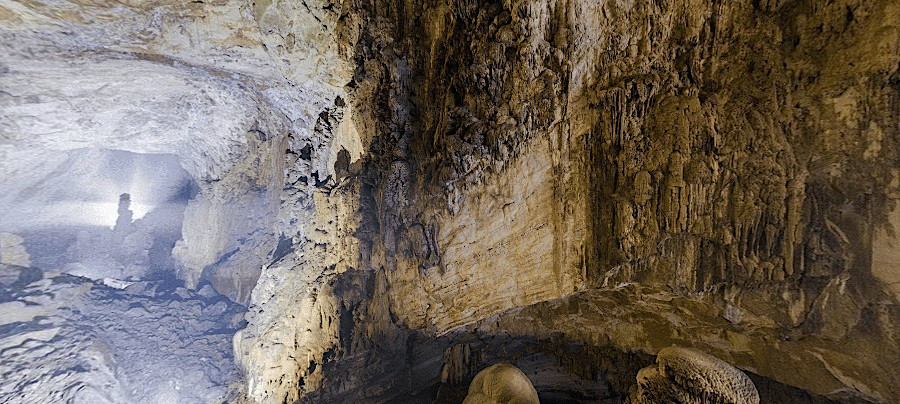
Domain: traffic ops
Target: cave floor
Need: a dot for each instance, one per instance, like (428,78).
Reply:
(65,338)
(631,316)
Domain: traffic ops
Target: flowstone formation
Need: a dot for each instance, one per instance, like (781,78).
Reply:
(619,174)
(406,192)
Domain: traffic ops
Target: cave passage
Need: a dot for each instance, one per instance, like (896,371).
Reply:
(91,308)
(103,214)
(450,201)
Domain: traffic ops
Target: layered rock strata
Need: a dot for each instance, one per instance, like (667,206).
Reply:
(387,182)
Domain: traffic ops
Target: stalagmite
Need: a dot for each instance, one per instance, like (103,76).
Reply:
(692,377)
(501,384)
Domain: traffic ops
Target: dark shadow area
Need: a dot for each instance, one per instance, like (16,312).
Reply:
(399,365)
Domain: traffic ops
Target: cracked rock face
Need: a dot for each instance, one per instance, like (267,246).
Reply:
(406,192)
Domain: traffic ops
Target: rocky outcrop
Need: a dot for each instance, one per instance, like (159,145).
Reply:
(65,338)
(688,376)
(501,383)
(386,183)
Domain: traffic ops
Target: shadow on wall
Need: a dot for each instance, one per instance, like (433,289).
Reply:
(561,370)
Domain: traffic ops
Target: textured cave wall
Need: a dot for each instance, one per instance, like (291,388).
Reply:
(236,90)
(718,145)
(405,192)
(481,86)
(710,174)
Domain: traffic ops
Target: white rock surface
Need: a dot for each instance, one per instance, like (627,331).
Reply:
(12,252)
(221,85)
(68,339)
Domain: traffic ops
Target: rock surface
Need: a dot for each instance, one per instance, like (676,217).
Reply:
(388,183)
(730,160)
(501,384)
(199,81)
(688,376)
(67,339)
(12,252)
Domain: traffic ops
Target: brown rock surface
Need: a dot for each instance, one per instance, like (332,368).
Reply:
(501,384)
(405,192)
(688,376)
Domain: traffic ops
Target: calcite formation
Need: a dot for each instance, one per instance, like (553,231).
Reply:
(406,192)
(688,376)
(501,384)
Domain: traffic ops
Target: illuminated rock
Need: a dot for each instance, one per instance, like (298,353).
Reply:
(501,384)
(693,377)
(12,252)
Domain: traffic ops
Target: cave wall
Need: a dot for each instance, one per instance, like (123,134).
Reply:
(387,183)
(715,151)
(472,159)
(235,91)
(733,160)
